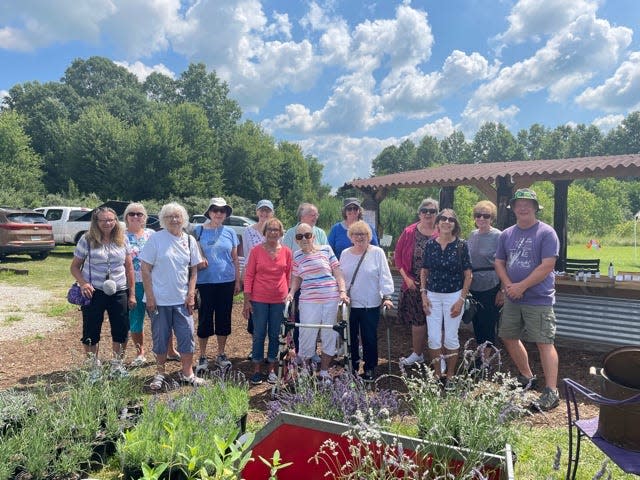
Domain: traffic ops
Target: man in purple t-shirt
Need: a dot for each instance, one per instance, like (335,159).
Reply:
(525,260)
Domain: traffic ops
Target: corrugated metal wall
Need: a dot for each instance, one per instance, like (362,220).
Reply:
(598,319)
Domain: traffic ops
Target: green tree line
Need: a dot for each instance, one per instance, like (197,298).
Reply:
(99,134)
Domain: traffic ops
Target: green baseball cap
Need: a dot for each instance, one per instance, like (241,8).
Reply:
(525,194)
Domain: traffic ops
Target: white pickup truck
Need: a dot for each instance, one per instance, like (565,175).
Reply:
(70,223)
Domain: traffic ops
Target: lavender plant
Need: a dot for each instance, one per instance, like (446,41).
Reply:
(474,411)
(338,401)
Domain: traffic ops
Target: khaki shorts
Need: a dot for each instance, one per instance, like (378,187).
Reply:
(531,323)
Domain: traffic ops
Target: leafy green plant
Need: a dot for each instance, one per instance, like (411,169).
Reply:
(178,431)
(275,464)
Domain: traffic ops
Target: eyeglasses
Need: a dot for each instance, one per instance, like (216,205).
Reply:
(359,234)
(428,211)
(352,208)
(273,230)
(218,210)
(307,235)
(486,216)
(447,219)
(107,220)
(135,214)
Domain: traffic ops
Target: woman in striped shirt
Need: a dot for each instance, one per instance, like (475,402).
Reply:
(316,271)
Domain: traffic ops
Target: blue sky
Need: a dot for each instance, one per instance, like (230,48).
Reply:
(346,78)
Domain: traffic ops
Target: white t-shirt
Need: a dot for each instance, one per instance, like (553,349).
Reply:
(373,279)
(169,256)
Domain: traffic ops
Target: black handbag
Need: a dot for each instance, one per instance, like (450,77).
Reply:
(470,309)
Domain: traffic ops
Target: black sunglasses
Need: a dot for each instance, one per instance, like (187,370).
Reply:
(300,236)
(352,208)
(428,211)
(218,210)
(447,219)
(486,216)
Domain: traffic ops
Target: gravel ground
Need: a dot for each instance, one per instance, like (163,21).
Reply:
(21,312)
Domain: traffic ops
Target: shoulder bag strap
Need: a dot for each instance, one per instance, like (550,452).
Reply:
(355,272)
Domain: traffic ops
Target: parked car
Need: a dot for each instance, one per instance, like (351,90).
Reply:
(63,222)
(25,232)
(70,223)
(236,222)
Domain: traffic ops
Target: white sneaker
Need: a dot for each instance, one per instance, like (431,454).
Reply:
(222,361)
(272,378)
(411,359)
(203,365)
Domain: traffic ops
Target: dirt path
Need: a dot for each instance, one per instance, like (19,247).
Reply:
(37,348)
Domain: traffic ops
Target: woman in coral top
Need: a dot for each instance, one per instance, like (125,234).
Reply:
(266,284)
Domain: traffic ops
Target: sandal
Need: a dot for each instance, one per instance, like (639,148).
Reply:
(174,358)
(157,382)
(192,380)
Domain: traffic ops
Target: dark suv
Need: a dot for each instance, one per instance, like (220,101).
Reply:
(24,232)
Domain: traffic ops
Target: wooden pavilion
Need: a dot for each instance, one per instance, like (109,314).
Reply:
(498,181)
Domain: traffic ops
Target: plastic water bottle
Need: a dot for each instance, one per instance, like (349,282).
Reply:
(611,273)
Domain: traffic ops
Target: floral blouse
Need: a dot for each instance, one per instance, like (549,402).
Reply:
(446,267)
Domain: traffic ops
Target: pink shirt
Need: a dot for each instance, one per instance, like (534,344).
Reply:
(266,278)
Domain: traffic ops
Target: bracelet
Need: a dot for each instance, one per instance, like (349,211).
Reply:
(342,291)
(423,290)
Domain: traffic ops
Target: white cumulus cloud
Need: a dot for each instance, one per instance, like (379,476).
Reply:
(567,60)
(619,93)
(142,71)
(608,122)
(530,19)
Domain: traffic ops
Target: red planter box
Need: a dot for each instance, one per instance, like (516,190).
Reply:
(298,438)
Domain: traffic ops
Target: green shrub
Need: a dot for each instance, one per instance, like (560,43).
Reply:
(186,425)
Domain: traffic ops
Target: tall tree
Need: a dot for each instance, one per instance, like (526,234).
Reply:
(212,94)
(20,167)
(531,141)
(161,88)
(252,164)
(585,142)
(98,153)
(495,143)
(625,138)
(555,143)
(97,75)
(456,149)
(200,172)
(428,153)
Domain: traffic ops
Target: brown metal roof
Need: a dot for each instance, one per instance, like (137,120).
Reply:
(522,173)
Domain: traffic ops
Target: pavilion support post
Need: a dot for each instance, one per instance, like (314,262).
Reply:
(371,206)
(504,193)
(560,213)
(447,195)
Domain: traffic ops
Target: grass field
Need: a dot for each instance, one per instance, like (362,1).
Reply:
(624,258)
